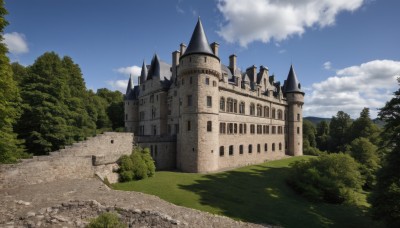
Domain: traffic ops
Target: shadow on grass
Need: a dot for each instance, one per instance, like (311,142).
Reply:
(260,195)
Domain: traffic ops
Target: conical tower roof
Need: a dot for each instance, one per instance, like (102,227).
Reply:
(154,68)
(143,74)
(198,43)
(130,85)
(292,84)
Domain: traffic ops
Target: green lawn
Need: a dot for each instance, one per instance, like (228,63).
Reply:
(255,193)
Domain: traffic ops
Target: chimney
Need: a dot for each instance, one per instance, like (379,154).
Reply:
(183,48)
(175,58)
(232,63)
(214,47)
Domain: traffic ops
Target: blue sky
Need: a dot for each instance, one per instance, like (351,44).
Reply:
(345,52)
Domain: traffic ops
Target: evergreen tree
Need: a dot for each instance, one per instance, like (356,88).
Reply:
(364,127)
(322,137)
(309,132)
(115,106)
(338,132)
(44,124)
(386,196)
(10,146)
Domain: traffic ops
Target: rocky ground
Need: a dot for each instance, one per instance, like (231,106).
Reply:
(72,203)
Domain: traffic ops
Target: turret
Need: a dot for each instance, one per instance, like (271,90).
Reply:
(130,107)
(295,99)
(199,71)
(143,73)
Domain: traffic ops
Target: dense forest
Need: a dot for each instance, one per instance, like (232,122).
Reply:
(46,105)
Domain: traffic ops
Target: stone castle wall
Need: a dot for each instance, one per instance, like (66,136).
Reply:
(96,155)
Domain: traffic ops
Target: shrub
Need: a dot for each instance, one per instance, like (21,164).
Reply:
(106,220)
(139,165)
(333,178)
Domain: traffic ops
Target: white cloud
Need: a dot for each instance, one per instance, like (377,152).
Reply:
(118,85)
(130,70)
(16,43)
(282,51)
(262,20)
(369,85)
(327,65)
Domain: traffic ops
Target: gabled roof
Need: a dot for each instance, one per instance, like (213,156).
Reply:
(143,74)
(292,85)
(198,43)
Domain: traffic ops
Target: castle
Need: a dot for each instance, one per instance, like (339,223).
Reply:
(199,115)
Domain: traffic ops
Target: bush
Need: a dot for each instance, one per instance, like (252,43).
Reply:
(139,165)
(333,178)
(106,220)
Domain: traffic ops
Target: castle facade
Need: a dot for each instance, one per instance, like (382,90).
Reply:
(199,115)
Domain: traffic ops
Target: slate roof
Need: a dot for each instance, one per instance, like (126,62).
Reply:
(198,43)
(143,73)
(159,69)
(292,84)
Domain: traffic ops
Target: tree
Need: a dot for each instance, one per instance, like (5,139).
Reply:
(364,127)
(309,132)
(139,165)
(322,137)
(338,132)
(385,198)
(333,178)
(43,123)
(364,152)
(114,107)
(10,146)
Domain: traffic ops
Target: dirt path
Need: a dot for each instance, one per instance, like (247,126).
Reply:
(70,203)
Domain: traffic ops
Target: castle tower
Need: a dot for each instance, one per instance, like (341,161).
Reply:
(295,99)
(199,73)
(131,107)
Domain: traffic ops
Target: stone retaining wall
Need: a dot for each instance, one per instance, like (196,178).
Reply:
(97,155)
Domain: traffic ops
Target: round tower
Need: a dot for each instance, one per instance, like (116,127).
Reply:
(295,100)
(198,74)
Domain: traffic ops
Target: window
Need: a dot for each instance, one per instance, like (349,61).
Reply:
(266,111)
(230,128)
(235,128)
(231,150)
(298,117)
(240,128)
(141,130)
(280,117)
(273,129)
(265,147)
(241,149)
(176,128)
(259,110)
(155,151)
(222,104)
(151,98)
(188,125)
(154,129)
(209,126)
(273,146)
(252,129)
(258,148)
(259,129)
(241,108)
(280,146)
(189,100)
(221,151)
(280,131)
(222,128)
(273,113)
(209,101)
(207,81)
(141,115)
(229,103)
(235,106)
(214,83)
(298,130)
(250,149)
(205,59)
(245,128)
(190,80)
(252,109)
(153,113)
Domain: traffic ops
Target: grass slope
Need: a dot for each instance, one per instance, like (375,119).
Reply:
(255,193)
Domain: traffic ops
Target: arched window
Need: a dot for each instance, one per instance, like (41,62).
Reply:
(280,116)
(259,110)
(231,150)
(266,111)
(222,104)
(266,147)
(273,113)
(242,108)
(273,146)
(252,109)
(229,103)
(235,106)
(280,146)
(250,149)
(221,151)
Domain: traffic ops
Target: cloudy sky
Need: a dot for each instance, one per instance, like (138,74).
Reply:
(346,53)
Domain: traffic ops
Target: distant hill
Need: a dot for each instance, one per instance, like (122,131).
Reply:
(316,120)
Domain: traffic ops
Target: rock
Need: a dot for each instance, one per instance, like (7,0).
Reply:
(30,214)
(20,202)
